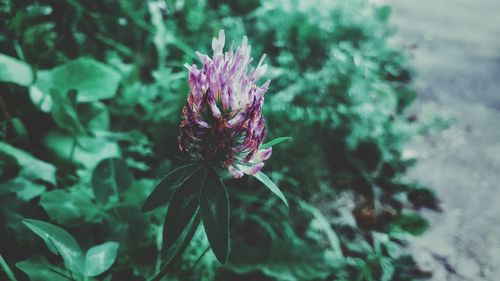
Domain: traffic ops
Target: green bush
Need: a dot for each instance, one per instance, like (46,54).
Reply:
(90,104)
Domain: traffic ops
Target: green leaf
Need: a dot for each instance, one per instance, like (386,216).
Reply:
(100,258)
(93,80)
(263,178)
(59,242)
(286,260)
(15,71)
(182,207)
(110,176)
(31,168)
(274,142)
(383,13)
(388,269)
(59,144)
(64,111)
(133,227)
(13,130)
(23,188)
(39,92)
(424,197)
(324,224)
(163,191)
(39,269)
(214,209)
(410,222)
(94,116)
(9,167)
(70,207)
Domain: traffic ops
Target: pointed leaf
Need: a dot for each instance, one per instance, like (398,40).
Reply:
(214,209)
(182,207)
(274,142)
(163,191)
(263,178)
(100,258)
(59,242)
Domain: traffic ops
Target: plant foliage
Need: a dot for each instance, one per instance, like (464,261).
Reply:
(91,95)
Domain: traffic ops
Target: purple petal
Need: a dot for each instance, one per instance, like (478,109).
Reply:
(213,106)
(218,44)
(250,170)
(235,172)
(263,155)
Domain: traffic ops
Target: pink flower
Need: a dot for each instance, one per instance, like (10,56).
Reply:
(223,121)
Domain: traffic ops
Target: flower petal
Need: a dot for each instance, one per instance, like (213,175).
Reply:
(263,155)
(250,170)
(235,172)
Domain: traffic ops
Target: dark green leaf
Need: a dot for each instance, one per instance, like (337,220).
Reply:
(13,130)
(59,242)
(424,197)
(110,176)
(285,260)
(263,178)
(162,193)
(133,228)
(39,269)
(214,209)
(15,71)
(9,167)
(410,222)
(64,111)
(100,258)
(13,211)
(275,142)
(182,207)
(19,129)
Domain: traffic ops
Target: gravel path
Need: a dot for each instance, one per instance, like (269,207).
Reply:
(457,58)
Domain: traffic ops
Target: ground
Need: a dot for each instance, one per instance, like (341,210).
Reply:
(455,46)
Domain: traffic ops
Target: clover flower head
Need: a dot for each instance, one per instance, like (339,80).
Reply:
(222,120)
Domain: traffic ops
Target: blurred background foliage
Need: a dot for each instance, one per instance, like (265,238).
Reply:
(90,105)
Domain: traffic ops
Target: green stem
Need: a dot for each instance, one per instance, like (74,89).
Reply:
(180,250)
(19,50)
(7,270)
(159,243)
(73,148)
